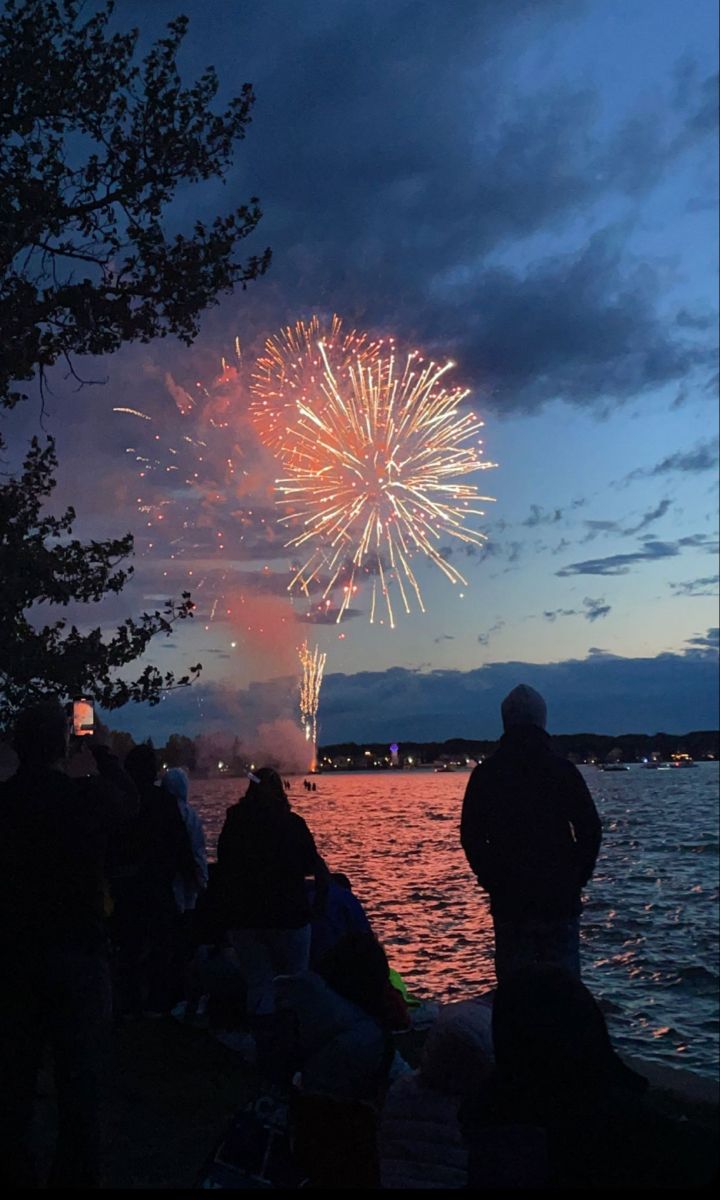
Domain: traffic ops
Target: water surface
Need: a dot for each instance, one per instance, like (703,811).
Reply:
(650,918)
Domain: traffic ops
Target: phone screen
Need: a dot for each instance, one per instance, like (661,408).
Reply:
(83,718)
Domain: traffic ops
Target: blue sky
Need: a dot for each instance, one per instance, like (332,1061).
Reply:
(531,189)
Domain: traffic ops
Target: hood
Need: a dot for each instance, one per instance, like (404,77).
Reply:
(176,782)
(523,706)
(458,1054)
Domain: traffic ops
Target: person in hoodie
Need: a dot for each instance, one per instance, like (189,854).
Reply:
(531,834)
(187,886)
(421,1139)
(186,889)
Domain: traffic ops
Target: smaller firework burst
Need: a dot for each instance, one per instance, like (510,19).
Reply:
(313,666)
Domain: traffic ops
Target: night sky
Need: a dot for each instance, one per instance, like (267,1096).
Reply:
(528,187)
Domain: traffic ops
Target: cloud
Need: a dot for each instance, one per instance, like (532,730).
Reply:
(620,564)
(484,638)
(707,585)
(604,693)
(707,641)
(592,610)
(444,637)
(596,527)
(702,457)
(654,514)
(538,516)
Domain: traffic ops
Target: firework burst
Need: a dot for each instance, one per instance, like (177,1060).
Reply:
(289,375)
(313,666)
(374,479)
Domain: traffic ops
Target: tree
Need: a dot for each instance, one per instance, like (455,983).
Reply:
(93,148)
(179,752)
(41,564)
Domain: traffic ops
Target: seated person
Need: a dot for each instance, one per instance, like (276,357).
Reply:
(421,1142)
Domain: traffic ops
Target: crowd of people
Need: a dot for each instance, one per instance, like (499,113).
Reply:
(110,911)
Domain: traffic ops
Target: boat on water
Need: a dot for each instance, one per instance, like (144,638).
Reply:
(656,766)
(613,767)
(443,769)
(682,760)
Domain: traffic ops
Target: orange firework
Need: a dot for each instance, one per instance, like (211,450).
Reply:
(290,374)
(374,479)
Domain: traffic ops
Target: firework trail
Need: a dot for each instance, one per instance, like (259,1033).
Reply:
(373,479)
(313,666)
(290,373)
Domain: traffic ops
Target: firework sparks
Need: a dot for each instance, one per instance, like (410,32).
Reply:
(374,478)
(289,375)
(313,666)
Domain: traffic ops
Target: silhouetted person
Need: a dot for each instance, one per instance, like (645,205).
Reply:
(343,913)
(158,846)
(561,1110)
(54,834)
(531,834)
(421,1142)
(265,851)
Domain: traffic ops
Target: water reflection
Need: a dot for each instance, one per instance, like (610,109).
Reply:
(649,929)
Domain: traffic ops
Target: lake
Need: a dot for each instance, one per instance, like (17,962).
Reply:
(650,917)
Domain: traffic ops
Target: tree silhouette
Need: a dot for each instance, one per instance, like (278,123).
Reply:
(93,149)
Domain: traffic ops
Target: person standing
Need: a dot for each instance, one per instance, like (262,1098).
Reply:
(531,834)
(265,851)
(54,833)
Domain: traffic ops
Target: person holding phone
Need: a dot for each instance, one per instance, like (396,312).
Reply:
(54,833)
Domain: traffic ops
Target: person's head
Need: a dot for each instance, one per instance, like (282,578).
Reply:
(356,967)
(341,879)
(523,706)
(141,766)
(177,783)
(41,734)
(458,1053)
(550,1036)
(266,792)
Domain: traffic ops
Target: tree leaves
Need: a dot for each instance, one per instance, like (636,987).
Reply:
(41,565)
(92,150)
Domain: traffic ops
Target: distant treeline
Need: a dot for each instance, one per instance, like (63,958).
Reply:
(582,747)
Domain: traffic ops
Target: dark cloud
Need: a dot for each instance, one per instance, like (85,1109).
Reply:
(620,564)
(617,527)
(582,327)
(411,151)
(654,514)
(707,641)
(603,693)
(591,610)
(707,585)
(538,516)
(484,638)
(444,637)
(702,457)
(595,608)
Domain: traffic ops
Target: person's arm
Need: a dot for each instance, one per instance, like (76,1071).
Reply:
(473,831)
(586,826)
(322,885)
